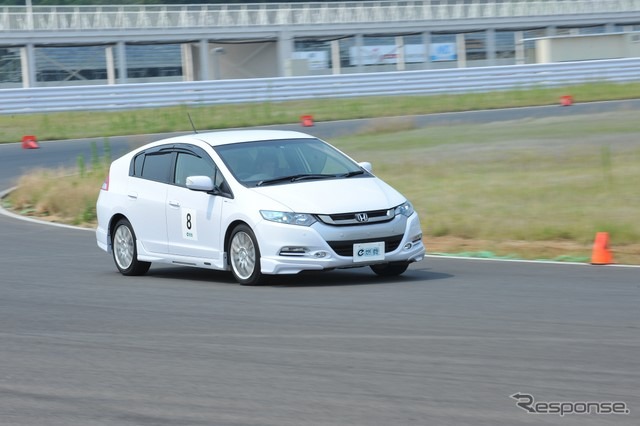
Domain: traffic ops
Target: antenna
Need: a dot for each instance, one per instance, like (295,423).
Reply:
(191,121)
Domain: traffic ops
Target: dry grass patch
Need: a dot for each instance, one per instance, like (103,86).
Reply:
(62,195)
(58,196)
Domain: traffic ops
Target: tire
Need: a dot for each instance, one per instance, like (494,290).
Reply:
(244,256)
(389,269)
(125,253)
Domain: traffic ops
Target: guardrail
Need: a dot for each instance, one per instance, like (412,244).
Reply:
(428,82)
(144,17)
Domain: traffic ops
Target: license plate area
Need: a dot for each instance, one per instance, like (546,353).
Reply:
(367,252)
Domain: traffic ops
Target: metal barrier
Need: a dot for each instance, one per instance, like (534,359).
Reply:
(429,82)
(144,17)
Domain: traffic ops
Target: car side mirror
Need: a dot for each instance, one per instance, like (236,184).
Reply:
(200,183)
(367,166)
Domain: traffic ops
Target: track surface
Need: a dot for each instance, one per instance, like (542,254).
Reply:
(446,344)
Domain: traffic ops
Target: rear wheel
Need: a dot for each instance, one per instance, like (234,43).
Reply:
(244,256)
(389,269)
(125,253)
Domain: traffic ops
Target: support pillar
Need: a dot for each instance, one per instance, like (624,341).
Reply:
(285,53)
(336,65)
(121,53)
(188,72)
(111,69)
(426,42)
(400,65)
(520,59)
(203,55)
(461,48)
(358,45)
(28,66)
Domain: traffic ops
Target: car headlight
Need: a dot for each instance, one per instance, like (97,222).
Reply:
(303,219)
(405,209)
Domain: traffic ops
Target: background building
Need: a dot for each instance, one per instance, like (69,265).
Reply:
(57,45)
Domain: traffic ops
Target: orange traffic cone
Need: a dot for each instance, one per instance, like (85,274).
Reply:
(307,120)
(566,100)
(29,142)
(601,253)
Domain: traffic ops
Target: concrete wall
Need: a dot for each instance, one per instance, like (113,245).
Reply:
(587,47)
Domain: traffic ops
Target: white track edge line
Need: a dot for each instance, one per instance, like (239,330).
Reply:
(547,262)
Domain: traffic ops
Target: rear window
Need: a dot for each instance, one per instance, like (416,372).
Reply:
(155,166)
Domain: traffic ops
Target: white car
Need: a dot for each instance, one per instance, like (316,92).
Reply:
(255,202)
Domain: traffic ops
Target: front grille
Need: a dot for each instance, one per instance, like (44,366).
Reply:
(358,218)
(345,248)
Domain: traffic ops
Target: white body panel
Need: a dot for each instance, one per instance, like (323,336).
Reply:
(193,223)
(334,196)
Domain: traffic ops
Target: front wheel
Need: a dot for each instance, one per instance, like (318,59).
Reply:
(244,256)
(389,269)
(125,253)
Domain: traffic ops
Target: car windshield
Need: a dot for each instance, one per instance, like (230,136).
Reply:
(285,161)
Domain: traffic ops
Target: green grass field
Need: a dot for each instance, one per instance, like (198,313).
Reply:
(531,189)
(84,124)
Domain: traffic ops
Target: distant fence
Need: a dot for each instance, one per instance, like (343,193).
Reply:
(428,82)
(141,17)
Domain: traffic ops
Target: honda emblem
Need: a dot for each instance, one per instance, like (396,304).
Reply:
(362,217)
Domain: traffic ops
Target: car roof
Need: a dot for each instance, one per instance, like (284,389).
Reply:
(236,136)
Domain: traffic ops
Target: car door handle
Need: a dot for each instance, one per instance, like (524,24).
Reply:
(133,195)
(174,203)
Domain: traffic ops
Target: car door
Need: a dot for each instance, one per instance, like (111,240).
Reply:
(147,195)
(194,217)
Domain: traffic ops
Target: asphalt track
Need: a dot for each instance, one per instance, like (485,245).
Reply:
(445,344)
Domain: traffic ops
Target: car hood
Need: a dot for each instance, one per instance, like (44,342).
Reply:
(334,195)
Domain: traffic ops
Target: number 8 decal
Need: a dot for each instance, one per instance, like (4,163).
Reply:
(189,228)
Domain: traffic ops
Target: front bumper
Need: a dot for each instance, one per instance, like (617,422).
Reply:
(289,249)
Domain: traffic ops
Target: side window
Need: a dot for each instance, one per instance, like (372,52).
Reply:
(222,184)
(191,165)
(138,161)
(156,166)
(218,180)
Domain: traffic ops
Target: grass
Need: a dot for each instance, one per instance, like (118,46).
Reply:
(531,189)
(84,124)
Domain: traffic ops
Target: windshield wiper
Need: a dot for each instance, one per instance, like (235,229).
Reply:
(354,173)
(312,176)
(294,178)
